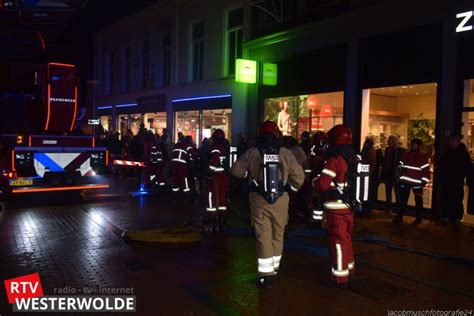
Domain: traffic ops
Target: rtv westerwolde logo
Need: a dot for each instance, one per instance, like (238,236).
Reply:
(25,293)
(23,287)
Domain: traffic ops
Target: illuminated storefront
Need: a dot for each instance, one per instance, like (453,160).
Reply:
(199,117)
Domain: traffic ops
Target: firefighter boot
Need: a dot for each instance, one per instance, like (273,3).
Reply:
(209,223)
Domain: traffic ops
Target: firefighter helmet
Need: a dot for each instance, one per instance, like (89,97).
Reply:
(339,135)
(269,127)
(318,138)
(218,134)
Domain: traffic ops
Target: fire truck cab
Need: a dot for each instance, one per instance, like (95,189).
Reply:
(39,150)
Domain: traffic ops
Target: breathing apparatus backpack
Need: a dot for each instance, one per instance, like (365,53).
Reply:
(273,186)
(357,177)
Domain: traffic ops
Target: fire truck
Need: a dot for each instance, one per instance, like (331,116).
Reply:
(39,149)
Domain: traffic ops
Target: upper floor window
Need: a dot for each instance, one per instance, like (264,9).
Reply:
(233,39)
(147,77)
(197,50)
(109,74)
(128,68)
(166,58)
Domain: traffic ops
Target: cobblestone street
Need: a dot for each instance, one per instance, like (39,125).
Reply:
(75,243)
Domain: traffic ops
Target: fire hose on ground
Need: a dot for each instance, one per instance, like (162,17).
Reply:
(175,234)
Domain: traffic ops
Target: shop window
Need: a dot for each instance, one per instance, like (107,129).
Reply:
(197,51)
(166,59)
(187,123)
(106,122)
(297,114)
(408,112)
(233,39)
(216,119)
(155,122)
(201,124)
(123,124)
(135,121)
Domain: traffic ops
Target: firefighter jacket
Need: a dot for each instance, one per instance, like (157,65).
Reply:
(415,169)
(217,158)
(180,153)
(152,153)
(334,172)
(251,162)
(316,160)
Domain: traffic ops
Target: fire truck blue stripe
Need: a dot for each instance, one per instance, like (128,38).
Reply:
(47,162)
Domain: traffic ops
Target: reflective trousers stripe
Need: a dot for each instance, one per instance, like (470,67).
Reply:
(265,265)
(276,262)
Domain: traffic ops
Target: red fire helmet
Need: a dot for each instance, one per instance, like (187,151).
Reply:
(269,127)
(218,134)
(339,135)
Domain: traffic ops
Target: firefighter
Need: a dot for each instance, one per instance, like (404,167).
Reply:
(316,165)
(154,165)
(180,166)
(414,176)
(271,170)
(339,216)
(218,185)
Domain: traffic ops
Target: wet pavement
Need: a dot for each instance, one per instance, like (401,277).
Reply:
(73,241)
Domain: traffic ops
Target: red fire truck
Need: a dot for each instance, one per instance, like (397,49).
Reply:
(39,151)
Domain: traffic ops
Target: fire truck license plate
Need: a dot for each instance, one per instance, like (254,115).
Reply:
(20,183)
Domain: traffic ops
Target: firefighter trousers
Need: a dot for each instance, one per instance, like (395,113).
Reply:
(179,176)
(269,221)
(155,173)
(340,226)
(217,189)
(405,195)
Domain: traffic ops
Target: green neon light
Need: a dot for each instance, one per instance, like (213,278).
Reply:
(246,71)
(270,74)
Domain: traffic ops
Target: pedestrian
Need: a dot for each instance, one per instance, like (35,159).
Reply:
(369,156)
(242,145)
(269,168)
(391,162)
(455,168)
(414,176)
(339,217)
(218,186)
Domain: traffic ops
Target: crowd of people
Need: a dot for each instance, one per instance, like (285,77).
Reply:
(310,176)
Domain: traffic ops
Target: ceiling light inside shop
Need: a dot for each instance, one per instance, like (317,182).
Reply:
(404,87)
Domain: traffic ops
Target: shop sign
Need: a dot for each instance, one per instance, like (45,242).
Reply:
(312,102)
(93,122)
(326,111)
(463,26)
(270,74)
(245,71)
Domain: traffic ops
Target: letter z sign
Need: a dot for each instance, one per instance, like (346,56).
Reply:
(24,287)
(463,25)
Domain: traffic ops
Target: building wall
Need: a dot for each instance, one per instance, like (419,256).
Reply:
(175,17)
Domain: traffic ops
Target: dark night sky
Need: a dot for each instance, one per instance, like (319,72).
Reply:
(77,40)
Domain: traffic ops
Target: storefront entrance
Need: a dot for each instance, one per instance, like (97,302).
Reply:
(467,136)
(407,111)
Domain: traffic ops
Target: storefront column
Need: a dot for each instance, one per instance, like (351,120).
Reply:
(448,101)
(447,104)
(352,93)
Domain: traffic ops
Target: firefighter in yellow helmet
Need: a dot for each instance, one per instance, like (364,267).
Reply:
(271,171)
